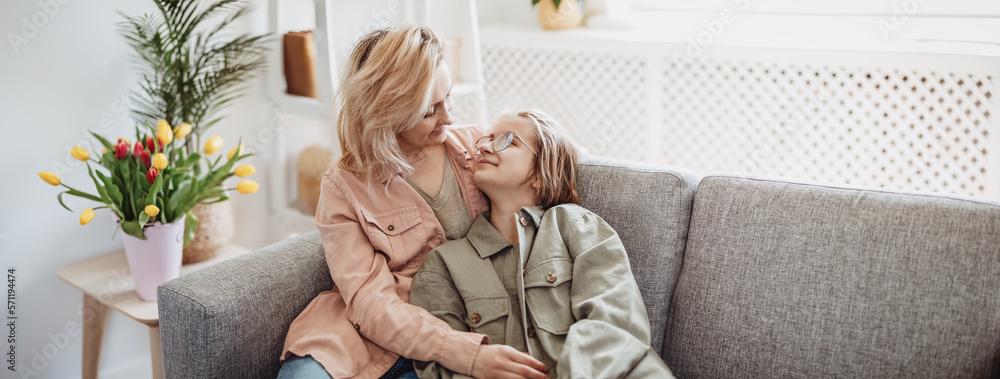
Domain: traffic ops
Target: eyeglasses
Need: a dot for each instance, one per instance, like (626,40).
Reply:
(502,141)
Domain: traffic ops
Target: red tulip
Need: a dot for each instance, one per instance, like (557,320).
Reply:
(137,151)
(144,157)
(121,149)
(152,174)
(151,146)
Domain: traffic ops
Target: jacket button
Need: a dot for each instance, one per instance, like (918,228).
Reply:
(551,278)
(391,227)
(523,221)
(524,272)
(475,318)
(531,332)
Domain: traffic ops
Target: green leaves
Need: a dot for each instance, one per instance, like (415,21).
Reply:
(59,197)
(109,190)
(154,190)
(78,194)
(190,225)
(143,219)
(191,68)
(133,228)
(125,172)
(104,141)
(180,195)
(100,186)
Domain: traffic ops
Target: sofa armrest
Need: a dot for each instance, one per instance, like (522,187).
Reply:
(230,320)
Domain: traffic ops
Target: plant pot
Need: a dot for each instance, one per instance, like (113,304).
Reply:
(569,15)
(215,229)
(156,259)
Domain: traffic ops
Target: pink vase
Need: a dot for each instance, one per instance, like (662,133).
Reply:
(156,259)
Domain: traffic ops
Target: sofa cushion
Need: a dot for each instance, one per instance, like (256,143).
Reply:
(784,279)
(649,207)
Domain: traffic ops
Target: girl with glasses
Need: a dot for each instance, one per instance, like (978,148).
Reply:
(537,272)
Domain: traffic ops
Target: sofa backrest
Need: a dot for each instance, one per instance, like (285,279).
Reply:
(784,279)
(650,208)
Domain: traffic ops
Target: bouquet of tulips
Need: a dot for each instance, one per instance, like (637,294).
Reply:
(155,179)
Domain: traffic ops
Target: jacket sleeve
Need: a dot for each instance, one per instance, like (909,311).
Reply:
(369,290)
(610,338)
(434,290)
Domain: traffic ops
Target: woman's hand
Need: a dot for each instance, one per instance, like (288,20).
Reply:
(502,361)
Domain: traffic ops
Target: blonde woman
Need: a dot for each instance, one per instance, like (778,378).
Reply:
(538,272)
(402,187)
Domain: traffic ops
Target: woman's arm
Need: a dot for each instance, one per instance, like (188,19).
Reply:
(610,338)
(369,289)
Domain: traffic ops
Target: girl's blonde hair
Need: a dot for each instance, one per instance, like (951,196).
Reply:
(385,91)
(555,164)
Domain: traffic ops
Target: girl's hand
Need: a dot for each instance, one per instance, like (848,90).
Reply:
(502,361)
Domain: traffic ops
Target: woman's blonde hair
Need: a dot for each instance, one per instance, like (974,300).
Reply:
(385,91)
(555,162)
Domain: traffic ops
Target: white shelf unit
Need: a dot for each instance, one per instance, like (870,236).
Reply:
(338,25)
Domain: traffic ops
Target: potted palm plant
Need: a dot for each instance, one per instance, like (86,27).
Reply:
(193,67)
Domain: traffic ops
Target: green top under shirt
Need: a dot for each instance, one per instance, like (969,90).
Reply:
(449,207)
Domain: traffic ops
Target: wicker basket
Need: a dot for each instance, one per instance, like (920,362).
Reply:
(312,163)
(215,230)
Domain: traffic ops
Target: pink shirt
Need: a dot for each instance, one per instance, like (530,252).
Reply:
(374,241)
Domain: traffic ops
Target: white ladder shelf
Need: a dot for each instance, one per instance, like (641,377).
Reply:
(338,24)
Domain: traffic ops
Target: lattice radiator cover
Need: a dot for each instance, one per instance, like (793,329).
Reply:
(891,120)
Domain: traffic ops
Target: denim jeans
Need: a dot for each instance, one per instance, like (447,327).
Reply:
(296,367)
(403,369)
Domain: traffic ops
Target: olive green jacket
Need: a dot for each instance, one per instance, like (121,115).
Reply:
(569,276)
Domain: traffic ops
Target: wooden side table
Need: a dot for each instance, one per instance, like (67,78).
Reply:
(106,281)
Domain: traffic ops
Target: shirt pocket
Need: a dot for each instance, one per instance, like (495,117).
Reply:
(547,294)
(396,233)
(488,315)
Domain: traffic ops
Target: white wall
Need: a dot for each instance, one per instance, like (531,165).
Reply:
(73,74)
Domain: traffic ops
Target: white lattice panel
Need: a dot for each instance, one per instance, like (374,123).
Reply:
(861,124)
(600,97)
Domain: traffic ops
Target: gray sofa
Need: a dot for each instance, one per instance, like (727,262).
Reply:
(742,278)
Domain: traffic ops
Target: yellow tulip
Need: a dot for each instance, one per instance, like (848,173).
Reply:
(238,150)
(159,162)
(50,177)
(213,145)
(152,210)
(182,131)
(80,153)
(86,216)
(247,187)
(164,133)
(245,170)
